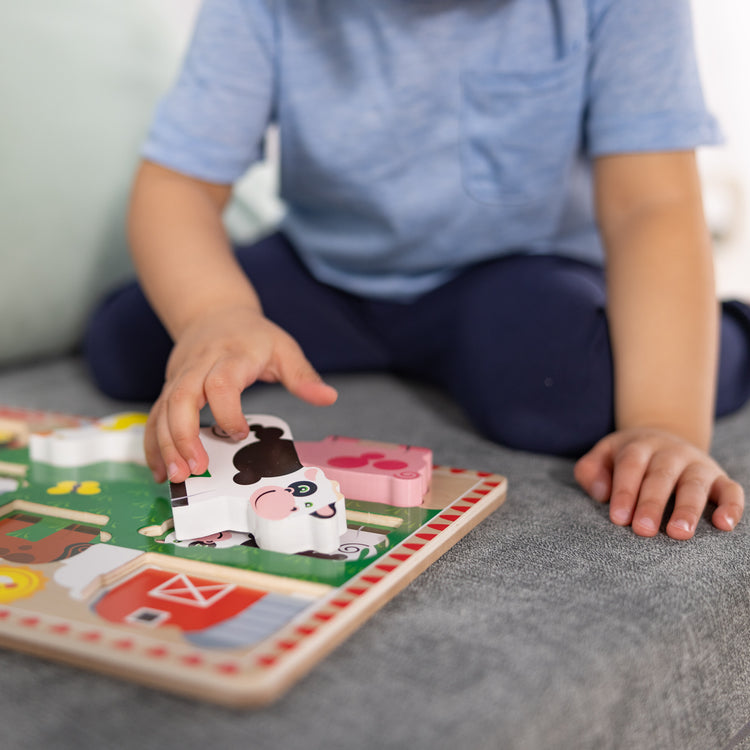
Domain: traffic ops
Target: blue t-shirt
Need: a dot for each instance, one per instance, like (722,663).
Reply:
(419,136)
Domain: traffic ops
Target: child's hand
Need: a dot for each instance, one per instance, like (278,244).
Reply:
(638,470)
(214,360)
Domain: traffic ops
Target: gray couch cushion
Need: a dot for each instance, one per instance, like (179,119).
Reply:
(546,627)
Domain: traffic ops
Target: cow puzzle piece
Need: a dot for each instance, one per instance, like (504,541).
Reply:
(374,472)
(260,487)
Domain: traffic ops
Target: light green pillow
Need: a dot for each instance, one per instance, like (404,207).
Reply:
(78,82)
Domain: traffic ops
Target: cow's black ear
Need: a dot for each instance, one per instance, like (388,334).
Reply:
(272,455)
(264,433)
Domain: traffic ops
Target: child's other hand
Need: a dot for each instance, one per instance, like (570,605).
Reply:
(214,360)
(638,470)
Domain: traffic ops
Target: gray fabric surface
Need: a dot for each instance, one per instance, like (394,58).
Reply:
(546,627)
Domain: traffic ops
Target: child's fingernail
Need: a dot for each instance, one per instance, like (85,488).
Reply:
(599,491)
(620,516)
(647,524)
(681,524)
(237,436)
(172,471)
(731,521)
(193,464)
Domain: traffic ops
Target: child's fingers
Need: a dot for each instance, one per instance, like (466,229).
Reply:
(176,466)
(664,471)
(178,426)
(151,446)
(316,392)
(223,388)
(646,468)
(730,503)
(162,456)
(300,378)
(593,471)
(629,469)
(691,496)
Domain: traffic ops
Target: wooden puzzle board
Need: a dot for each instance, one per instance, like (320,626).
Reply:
(88,575)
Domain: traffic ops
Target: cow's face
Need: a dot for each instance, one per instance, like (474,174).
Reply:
(305,491)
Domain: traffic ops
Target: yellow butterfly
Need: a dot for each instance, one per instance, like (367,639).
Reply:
(82,488)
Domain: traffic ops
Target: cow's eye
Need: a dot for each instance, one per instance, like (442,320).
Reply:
(308,504)
(302,489)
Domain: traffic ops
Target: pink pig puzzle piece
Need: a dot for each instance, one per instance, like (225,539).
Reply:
(371,471)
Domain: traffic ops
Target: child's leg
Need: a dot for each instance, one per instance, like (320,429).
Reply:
(522,343)
(528,354)
(734,370)
(127,347)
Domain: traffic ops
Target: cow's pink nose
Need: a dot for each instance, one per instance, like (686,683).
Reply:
(273,503)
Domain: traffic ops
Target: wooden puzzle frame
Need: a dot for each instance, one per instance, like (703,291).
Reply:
(40,614)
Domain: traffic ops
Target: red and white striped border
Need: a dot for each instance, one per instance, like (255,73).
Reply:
(272,652)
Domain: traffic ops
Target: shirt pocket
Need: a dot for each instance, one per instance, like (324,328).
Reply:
(520,131)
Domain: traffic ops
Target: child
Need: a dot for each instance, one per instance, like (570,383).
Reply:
(457,173)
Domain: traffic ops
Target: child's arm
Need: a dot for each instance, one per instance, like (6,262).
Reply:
(223,342)
(663,319)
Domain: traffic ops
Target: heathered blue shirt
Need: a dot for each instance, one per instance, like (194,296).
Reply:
(419,136)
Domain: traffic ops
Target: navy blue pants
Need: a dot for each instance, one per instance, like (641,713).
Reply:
(521,342)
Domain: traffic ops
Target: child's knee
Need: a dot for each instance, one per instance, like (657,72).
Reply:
(566,421)
(555,395)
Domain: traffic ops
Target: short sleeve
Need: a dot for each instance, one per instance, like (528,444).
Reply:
(644,91)
(212,123)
